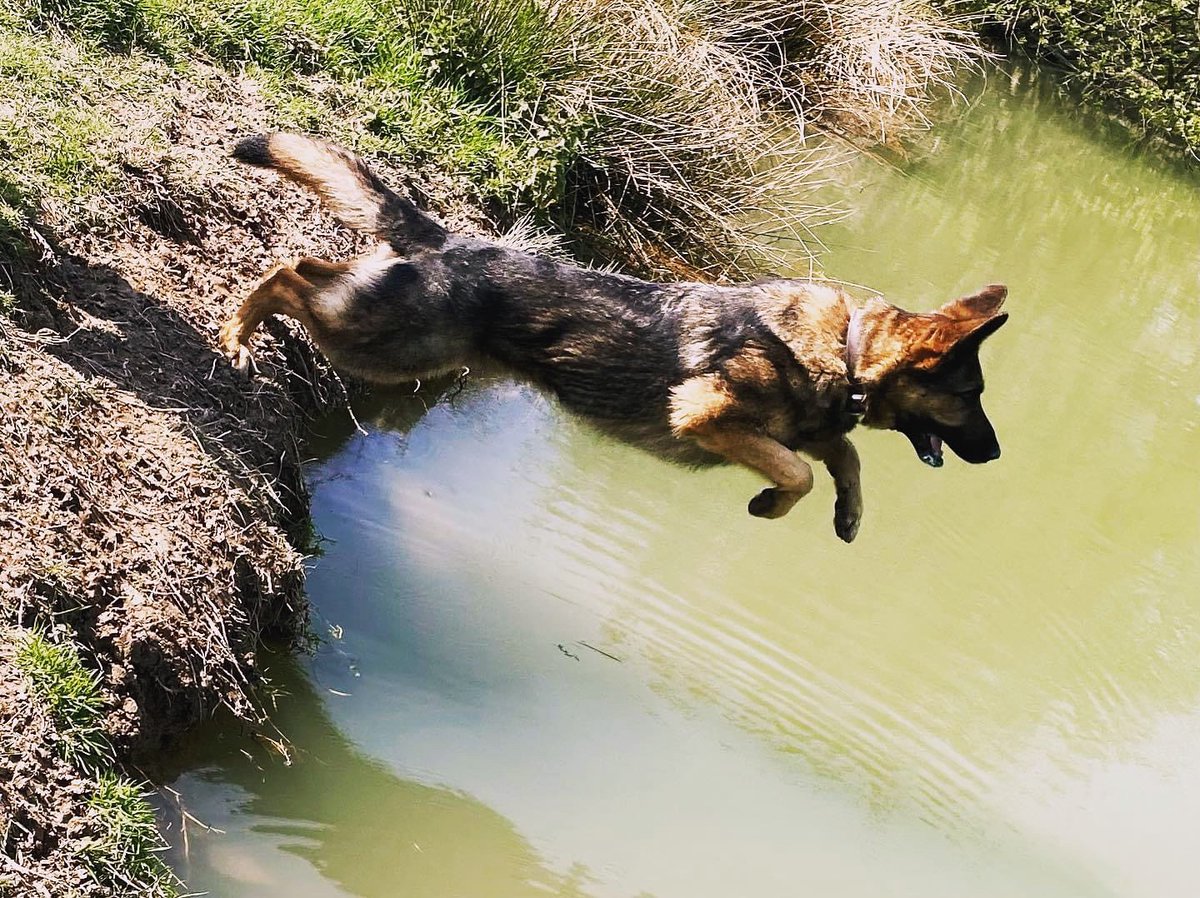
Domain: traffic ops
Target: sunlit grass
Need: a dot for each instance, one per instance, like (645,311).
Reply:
(128,853)
(1138,59)
(664,132)
(124,857)
(72,694)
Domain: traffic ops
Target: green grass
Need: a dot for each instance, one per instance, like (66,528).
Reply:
(655,129)
(1138,58)
(125,856)
(69,116)
(129,850)
(15,251)
(48,124)
(72,694)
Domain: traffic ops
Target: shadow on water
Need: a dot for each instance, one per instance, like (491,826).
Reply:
(357,824)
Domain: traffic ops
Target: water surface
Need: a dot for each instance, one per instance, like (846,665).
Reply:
(556,666)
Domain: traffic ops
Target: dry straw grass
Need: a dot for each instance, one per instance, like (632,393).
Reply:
(667,133)
(702,115)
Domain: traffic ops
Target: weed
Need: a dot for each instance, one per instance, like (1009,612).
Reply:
(1139,58)
(72,693)
(128,851)
(124,855)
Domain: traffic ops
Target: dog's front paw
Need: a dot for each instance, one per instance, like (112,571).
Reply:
(235,350)
(847,515)
(772,503)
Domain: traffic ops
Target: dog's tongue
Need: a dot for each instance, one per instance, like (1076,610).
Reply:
(933,455)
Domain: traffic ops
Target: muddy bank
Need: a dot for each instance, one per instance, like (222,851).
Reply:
(151,501)
(46,819)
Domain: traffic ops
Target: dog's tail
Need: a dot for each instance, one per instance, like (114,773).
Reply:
(352,191)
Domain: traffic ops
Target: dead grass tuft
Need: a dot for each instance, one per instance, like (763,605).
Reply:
(701,116)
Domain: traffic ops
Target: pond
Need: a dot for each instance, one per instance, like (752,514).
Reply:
(552,665)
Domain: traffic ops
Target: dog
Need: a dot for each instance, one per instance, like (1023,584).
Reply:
(696,373)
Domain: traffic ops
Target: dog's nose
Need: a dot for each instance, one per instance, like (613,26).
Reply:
(995,454)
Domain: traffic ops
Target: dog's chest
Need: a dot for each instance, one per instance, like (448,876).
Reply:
(818,408)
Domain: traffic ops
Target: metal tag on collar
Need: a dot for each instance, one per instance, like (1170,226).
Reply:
(857,405)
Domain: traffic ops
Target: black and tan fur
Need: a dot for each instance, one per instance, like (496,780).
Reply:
(696,373)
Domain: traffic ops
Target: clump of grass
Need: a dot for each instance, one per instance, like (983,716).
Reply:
(669,132)
(128,852)
(72,694)
(698,114)
(123,854)
(879,64)
(44,120)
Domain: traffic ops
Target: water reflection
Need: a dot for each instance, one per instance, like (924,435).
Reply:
(361,827)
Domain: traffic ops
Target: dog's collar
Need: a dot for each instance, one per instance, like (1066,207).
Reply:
(857,403)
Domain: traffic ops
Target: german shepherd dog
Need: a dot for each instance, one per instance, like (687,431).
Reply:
(696,373)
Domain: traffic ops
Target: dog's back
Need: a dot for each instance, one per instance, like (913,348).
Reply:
(694,372)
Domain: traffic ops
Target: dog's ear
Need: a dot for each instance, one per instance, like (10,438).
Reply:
(984,304)
(954,338)
(979,332)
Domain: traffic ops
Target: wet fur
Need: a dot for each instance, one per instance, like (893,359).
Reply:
(696,373)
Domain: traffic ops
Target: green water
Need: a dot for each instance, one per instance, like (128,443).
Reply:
(555,666)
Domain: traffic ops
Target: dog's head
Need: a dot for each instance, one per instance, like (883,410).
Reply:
(922,375)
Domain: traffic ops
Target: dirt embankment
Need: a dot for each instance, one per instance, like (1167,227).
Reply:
(151,500)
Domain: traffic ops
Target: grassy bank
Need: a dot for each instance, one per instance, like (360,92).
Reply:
(151,501)
(1139,59)
(657,131)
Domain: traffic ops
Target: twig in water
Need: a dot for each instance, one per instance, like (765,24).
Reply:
(349,407)
(600,651)
(460,383)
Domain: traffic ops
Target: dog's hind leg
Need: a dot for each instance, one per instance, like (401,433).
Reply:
(793,478)
(841,460)
(286,290)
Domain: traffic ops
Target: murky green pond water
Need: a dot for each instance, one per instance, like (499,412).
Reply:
(560,667)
